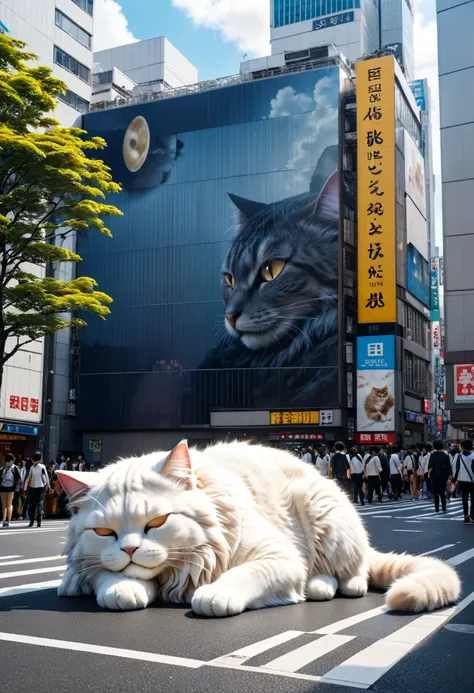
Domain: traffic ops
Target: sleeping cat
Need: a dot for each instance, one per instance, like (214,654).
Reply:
(230,528)
(378,403)
(280,290)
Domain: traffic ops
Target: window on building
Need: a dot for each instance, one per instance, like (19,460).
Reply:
(292,11)
(75,101)
(416,374)
(416,326)
(86,5)
(73,29)
(71,64)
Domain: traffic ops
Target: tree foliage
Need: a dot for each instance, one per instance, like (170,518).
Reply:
(50,187)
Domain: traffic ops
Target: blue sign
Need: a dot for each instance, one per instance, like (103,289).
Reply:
(3,29)
(418,277)
(24,430)
(376,353)
(333,20)
(418,89)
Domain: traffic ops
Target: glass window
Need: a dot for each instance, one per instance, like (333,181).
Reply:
(71,64)
(73,29)
(75,101)
(86,5)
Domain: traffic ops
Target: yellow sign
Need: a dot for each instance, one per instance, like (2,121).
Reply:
(292,418)
(376,266)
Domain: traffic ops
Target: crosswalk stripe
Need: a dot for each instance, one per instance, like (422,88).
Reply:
(299,658)
(246,653)
(36,571)
(5,558)
(31,587)
(440,548)
(33,560)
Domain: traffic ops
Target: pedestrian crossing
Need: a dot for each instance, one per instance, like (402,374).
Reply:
(410,510)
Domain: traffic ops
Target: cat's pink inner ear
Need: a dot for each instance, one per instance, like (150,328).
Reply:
(178,465)
(74,483)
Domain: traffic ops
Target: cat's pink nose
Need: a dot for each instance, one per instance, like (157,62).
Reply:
(129,549)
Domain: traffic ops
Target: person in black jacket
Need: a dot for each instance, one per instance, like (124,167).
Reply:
(339,467)
(439,471)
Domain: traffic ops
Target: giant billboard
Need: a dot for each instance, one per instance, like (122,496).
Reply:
(376,409)
(224,268)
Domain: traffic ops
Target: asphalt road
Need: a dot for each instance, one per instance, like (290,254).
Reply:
(50,644)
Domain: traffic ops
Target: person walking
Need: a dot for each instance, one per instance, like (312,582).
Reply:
(9,478)
(37,483)
(425,463)
(465,476)
(385,475)
(357,468)
(306,456)
(439,471)
(396,473)
(19,490)
(339,466)
(373,471)
(409,466)
(322,462)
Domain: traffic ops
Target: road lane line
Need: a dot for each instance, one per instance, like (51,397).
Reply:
(418,531)
(33,560)
(31,587)
(5,558)
(244,653)
(336,627)
(299,658)
(440,548)
(9,532)
(260,670)
(461,558)
(99,649)
(36,571)
(366,667)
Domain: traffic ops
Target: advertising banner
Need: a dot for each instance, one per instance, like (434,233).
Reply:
(376,384)
(434,290)
(418,276)
(417,229)
(224,268)
(414,174)
(376,266)
(464,383)
(22,389)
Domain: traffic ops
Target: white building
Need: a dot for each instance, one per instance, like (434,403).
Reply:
(60,33)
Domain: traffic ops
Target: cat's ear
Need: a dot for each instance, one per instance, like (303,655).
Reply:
(75,484)
(246,208)
(328,203)
(178,466)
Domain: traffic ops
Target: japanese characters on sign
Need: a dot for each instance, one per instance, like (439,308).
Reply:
(372,438)
(292,418)
(26,404)
(375,91)
(435,310)
(300,436)
(464,383)
(333,20)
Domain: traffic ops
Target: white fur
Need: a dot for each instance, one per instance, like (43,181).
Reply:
(248,527)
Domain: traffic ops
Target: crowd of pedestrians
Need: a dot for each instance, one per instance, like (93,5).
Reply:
(425,471)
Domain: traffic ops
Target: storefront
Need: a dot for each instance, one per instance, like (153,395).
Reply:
(20,440)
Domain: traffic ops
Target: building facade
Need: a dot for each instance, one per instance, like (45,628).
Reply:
(397,32)
(60,33)
(456,80)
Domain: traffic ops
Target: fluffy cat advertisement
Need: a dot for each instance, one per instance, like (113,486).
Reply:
(375,401)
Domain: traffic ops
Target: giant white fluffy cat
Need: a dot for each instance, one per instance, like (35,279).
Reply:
(230,528)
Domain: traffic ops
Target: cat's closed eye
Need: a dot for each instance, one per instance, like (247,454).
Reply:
(157,522)
(229,280)
(270,270)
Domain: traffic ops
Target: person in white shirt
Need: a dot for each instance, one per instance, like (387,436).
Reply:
(465,476)
(356,465)
(9,477)
(395,473)
(37,483)
(373,471)
(322,462)
(306,456)
(425,461)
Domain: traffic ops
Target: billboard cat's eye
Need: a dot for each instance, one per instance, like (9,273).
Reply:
(270,270)
(229,280)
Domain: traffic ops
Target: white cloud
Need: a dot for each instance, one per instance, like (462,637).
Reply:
(244,22)
(110,25)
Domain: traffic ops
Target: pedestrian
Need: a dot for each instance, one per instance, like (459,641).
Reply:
(19,491)
(339,466)
(81,465)
(373,471)
(306,456)
(385,475)
(322,462)
(9,478)
(37,483)
(453,453)
(357,475)
(465,476)
(425,464)
(409,466)
(439,471)
(396,473)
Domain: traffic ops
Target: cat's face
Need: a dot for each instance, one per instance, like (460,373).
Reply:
(281,268)
(139,517)
(380,392)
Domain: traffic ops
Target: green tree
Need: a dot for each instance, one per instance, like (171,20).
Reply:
(49,188)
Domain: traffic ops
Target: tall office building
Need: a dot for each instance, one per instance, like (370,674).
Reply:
(396,31)
(456,82)
(60,33)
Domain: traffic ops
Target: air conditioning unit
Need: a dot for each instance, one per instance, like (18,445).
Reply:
(297,56)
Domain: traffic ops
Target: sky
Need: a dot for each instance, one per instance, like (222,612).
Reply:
(215,35)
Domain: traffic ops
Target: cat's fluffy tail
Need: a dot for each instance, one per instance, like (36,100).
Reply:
(415,583)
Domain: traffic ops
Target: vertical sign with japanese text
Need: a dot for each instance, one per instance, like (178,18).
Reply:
(376,269)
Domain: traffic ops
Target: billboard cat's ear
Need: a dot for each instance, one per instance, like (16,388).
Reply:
(246,208)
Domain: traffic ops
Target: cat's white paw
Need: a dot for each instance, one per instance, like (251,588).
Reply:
(126,595)
(354,587)
(321,588)
(217,601)
(70,585)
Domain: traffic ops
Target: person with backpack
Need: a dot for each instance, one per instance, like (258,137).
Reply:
(9,478)
(373,470)
(410,469)
(339,466)
(439,471)
(465,476)
(396,473)
(357,468)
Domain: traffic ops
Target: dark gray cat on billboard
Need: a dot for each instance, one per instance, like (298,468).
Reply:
(280,288)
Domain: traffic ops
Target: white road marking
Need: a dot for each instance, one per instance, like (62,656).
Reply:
(36,571)
(5,558)
(419,531)
(369,665)
(245,653)
(460,628)
(461,558)
(413,522)
(299,658)
(440,548)
(99,649)
(33,560)
(351,621)
(32,531)
(260,670)
(31,587)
